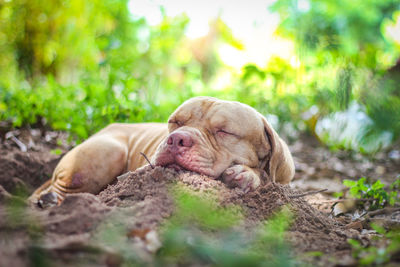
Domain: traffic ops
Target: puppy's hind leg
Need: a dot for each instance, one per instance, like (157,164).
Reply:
(89,167)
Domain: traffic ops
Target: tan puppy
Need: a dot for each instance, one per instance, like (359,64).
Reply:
(221,139)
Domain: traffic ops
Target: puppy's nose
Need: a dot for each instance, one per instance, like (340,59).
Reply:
(180,139)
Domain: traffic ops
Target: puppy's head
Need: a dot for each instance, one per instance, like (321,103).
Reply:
(208,135)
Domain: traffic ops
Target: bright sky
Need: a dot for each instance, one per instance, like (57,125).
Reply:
(250,22)
(393,28)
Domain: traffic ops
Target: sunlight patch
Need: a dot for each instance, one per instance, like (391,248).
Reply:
(352,129)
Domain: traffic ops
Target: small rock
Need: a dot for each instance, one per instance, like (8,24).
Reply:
(147,238)
(357,225)
(380,156)
(124,176)
(152,241)
(394,155)
(368,232)
(380,170)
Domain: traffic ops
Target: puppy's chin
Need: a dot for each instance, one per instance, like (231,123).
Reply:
(175,166)
(180,163)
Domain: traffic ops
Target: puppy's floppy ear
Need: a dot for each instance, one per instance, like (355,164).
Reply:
(280,166)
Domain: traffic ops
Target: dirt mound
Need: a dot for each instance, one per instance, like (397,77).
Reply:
(311,230)
(136,205)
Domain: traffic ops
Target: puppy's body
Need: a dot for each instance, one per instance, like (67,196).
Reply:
(222,139)
(92,165)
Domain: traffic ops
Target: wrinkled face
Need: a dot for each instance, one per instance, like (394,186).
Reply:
(208,135)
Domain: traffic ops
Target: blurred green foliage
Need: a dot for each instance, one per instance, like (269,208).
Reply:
(345,50)
(375,195)
(386,248)
(79,65)
(334,31)
(203,211)
(202,232)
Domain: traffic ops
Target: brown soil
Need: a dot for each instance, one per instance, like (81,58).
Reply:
(142,201)
(26,170)
(99,230)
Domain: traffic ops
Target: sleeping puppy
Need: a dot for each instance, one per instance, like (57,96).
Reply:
(222,139)
(225,139)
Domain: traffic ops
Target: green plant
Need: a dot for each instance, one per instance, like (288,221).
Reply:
(203,211)
(77,66)
(374,194)
(203,232)
(384,248)
(343,63)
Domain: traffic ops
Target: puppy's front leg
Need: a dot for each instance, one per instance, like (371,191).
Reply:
(242,176)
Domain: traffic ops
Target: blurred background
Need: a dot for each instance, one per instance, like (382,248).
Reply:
(327,68)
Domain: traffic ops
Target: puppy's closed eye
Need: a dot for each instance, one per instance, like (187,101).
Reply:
(177,122)
(224,133)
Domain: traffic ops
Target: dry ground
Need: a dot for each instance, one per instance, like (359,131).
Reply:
(139,202)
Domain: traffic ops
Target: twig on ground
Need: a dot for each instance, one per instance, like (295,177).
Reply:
(22,146)
(308,193)
(347,199)
(144,155)
(384,211)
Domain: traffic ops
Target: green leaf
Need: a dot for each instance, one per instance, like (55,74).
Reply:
(362,185)
(379,229)
(354,243)
(377,185)
(349,183)
(337,194)
(355,192)
(392,198)
(56,151)
(314,253)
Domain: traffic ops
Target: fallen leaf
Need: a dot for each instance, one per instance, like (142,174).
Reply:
(342,207)
(357,225)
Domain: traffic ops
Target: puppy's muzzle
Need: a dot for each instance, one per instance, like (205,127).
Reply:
(179,142)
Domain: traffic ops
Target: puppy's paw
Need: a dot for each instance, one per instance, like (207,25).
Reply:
(241,176)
